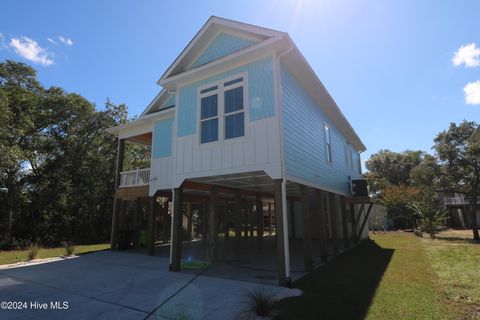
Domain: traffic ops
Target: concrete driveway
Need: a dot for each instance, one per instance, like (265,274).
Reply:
(120,285)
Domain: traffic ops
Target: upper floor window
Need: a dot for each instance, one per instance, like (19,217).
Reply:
(346,151)
(328,143)
(234,115)
(222,118)
(209,116)
(359,164)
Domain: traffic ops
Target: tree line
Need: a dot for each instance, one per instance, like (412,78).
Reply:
(410,184)
(57,162)
(57,165)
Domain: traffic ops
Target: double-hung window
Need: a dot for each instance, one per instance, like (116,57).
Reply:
(359,164)
(346,152)
(328,143)
(209,114)
(222,111)
(348,156)
(234,109)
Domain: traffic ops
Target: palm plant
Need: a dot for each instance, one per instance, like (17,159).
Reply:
(429,211)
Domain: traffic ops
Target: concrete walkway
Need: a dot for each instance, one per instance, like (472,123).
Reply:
(121,285)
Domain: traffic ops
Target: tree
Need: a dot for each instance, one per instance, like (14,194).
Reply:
(21,122)
(397,178)
(396,200)
(386,168)
(460,157)
(427,174)
(429,211)
(57,162)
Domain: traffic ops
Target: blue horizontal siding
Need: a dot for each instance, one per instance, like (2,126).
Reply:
(162,138)
(261,95)
(304,140)
(221,46)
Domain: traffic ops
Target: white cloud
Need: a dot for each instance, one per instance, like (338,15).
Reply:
(66,41)
(2,42)
(51,40)
(30,50)
(472,92)
(469,55)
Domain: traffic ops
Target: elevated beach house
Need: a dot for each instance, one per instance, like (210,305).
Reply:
(249,153)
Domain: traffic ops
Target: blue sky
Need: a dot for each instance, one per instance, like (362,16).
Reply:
(388,64)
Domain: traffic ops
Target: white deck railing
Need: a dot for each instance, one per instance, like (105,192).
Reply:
(135,178)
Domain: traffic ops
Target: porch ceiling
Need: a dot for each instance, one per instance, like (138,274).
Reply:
(253,181)
(145,139)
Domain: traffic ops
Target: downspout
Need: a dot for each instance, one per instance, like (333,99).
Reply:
(174,169)
(282,165)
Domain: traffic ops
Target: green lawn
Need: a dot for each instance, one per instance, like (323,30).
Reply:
(13,256)
(387,277)
(456,260)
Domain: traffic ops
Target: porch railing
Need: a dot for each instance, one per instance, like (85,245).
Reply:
(457,200)
(135,178)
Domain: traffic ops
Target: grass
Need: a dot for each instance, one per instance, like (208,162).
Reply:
(260,302)
(387,277)
(455,258)
(13,256)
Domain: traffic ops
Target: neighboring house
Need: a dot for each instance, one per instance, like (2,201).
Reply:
(459,210)
(241,127)
(458,206)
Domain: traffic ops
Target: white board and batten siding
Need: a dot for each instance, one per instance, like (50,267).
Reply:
(257,150)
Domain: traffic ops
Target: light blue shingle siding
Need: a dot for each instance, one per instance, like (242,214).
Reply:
(221,46)
(304,140)
(261,95)
(162,139)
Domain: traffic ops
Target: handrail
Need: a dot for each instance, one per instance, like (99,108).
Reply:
(135,178)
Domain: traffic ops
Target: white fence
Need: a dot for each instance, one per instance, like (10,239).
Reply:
(135,178)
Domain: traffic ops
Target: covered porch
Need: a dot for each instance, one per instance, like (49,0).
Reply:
(248,226)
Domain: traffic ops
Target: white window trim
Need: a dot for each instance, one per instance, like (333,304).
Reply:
(346,151)
(359,160)
(328,151)
(204,95)
(220,91)
(350,155)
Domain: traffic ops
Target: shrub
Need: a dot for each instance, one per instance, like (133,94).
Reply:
(33,251)
(430,212)
(69,247)
(260,303)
